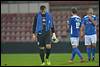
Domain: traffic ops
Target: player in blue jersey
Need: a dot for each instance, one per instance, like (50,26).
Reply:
(74,26)
(89,29)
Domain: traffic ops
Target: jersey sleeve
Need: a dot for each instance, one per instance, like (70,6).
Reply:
(52,24)
(52,28)
(69,21)
(34,24)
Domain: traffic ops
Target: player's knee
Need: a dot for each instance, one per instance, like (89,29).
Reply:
(48,46)
(41,48)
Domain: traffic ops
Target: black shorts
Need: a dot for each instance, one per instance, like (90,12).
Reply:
(44,38)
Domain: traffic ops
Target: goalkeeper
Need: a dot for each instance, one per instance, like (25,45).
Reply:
(43,27)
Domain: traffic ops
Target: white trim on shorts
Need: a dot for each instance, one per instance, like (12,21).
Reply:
(90,39)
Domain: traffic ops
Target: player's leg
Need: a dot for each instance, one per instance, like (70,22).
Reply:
(72,39)
(73,53)
(88,46)
(41,46)
(75,43)
(48,47)
(93,51)
(48,51)
(94,39)
(88,49)
(79,54)
(77,50)
(42,54)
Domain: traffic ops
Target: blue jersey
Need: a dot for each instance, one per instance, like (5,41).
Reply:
(90,28)
(74,25)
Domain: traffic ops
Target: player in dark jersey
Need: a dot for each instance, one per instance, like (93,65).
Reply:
(43,27)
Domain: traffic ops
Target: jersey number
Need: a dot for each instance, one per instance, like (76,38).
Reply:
(78,22)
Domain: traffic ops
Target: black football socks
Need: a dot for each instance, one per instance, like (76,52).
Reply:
(42,55)
(48,50)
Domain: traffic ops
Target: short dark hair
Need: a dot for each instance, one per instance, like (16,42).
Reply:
(74,10)
(42,7)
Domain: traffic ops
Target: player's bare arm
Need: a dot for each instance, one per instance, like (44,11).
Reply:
(81,31)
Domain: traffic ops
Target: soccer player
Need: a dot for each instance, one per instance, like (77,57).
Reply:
(89,29)
(43,27)
(74,26)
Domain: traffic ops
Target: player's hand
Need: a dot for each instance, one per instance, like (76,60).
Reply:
(90,18)
(34,37)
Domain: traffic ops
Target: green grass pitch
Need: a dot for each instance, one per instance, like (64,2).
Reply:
(58,59)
